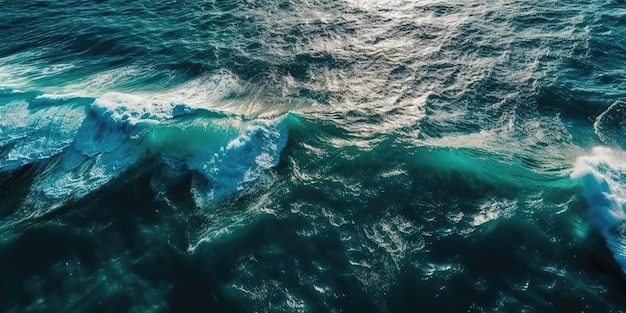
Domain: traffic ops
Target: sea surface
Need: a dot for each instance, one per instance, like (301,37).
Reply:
(313,156)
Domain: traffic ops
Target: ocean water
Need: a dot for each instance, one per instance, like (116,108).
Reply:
(313,156)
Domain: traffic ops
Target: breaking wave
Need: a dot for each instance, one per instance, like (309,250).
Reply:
(87,142)
(603,175)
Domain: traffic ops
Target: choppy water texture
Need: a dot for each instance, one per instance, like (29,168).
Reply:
(312,156)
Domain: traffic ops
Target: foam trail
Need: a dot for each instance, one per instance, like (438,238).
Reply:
(603,175)
(610,126)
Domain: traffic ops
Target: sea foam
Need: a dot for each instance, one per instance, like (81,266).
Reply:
(603,176)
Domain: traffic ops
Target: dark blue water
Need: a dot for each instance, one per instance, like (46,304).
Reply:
(312,156)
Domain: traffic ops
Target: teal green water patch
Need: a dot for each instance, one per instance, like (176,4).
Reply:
(494,169)
(190,135)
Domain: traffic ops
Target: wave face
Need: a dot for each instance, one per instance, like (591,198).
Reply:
(312,156)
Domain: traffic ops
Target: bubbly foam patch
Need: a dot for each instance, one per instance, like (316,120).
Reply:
(245,159)
(603,175)
(37,133)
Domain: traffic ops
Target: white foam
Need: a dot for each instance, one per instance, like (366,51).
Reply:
(36,134)
(129,108)
(603,175)
(493,210)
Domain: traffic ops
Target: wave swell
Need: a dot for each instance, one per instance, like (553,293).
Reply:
(83,143)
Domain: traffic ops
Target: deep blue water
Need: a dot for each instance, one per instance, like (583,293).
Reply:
(312,156)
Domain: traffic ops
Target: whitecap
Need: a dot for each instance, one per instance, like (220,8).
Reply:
(91,141)
(603,176)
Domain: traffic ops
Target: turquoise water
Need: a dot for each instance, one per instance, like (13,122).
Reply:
(312,156)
